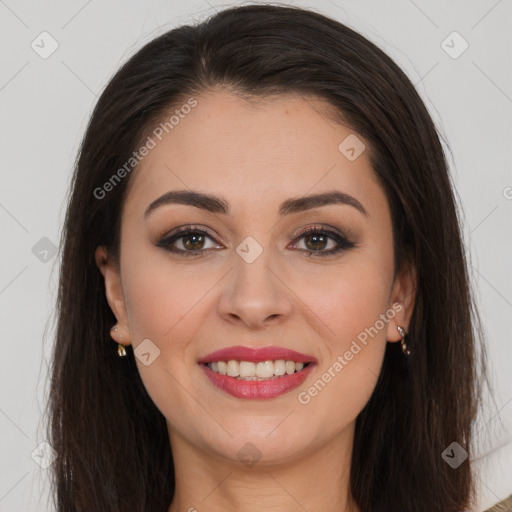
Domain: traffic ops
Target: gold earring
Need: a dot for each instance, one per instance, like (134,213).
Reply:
(121,352)
(403,333)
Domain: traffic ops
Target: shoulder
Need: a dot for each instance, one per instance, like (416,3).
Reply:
(502,506)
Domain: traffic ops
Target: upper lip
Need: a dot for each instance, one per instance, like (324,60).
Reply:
(245,353)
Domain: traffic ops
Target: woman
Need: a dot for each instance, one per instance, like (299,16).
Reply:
(264,301)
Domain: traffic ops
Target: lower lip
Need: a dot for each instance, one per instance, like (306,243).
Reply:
(254,389)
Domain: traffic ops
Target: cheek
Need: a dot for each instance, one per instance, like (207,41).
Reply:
(165,305)
(163,297)
(347,301)
(354,315)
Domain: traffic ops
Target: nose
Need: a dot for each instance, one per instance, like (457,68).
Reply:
(255,294)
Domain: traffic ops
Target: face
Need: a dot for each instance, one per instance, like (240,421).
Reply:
(249,273)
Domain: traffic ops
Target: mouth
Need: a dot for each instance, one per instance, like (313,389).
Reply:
(257,373)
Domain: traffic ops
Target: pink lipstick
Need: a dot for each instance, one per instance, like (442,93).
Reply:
(257,373)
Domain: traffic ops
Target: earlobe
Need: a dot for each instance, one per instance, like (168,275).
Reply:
(114,293)
(402,302)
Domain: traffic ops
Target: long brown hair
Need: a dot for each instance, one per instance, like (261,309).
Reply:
(111,441)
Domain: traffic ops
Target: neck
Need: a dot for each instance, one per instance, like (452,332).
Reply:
(317,480)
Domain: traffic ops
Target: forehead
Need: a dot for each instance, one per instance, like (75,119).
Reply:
(254,153)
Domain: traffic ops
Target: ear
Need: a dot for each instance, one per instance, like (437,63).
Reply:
(402,301)
(114,293)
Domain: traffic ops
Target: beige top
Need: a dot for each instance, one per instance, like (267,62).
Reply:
(502,506)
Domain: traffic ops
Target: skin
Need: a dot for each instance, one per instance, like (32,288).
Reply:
(255,157)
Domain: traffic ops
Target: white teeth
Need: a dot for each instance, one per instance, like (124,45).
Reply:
(279,367)
(222,367)
(247,370)
(233,368)
(265,369)
(290,367)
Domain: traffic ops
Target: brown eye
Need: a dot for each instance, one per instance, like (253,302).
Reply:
(191,239)
(193,242)
(317,240)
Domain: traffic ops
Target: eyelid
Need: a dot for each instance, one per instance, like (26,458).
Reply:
(184,228)
(347,234)
(166,240)
(203,229)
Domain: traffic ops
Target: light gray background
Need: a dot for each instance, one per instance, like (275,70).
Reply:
(45,104)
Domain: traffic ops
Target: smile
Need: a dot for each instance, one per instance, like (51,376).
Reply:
(257,373)
(263,370)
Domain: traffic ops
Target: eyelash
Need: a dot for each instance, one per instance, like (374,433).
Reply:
(343,243)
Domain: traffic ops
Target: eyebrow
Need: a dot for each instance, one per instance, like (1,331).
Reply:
(218,205)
